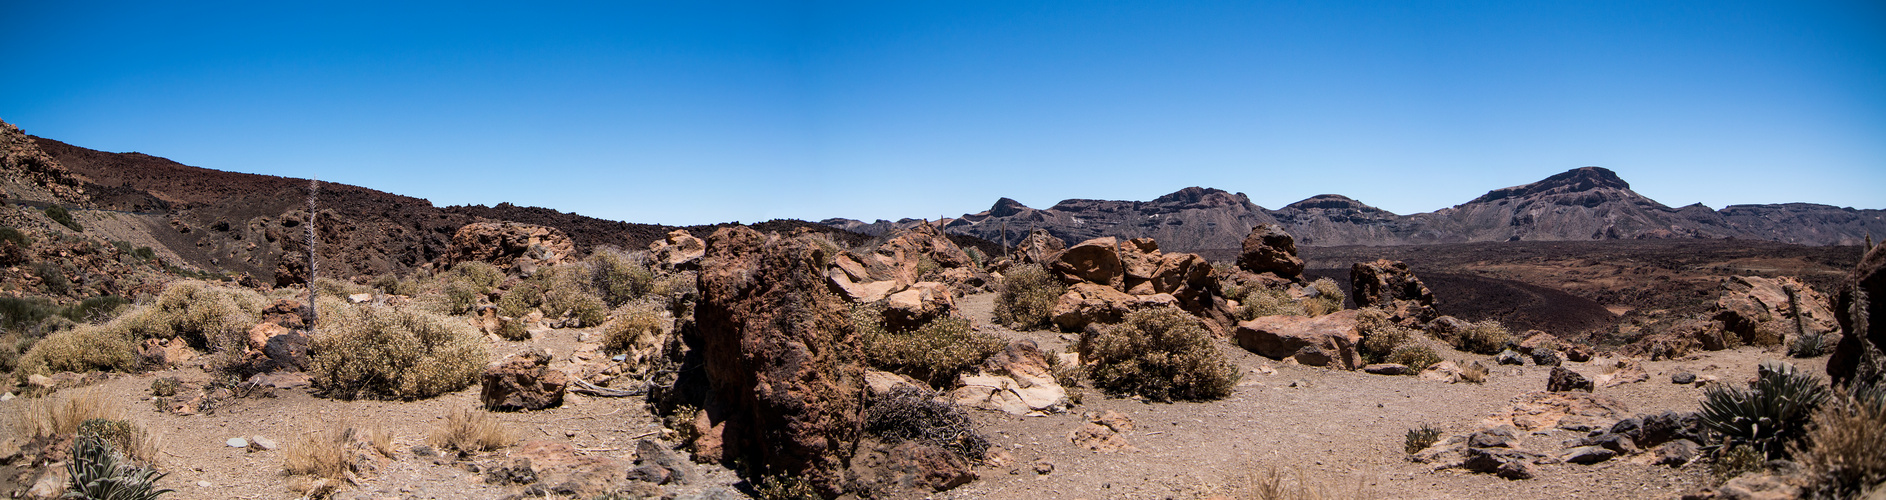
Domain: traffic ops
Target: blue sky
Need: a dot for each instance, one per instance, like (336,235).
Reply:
(717,111)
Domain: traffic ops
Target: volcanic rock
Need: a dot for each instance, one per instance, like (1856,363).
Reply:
(1268,249)
(678,250)
(525,382)
(1390,285)
(513,247)
(1328,340)
(1860,357)
(1094,261)
(1563,380)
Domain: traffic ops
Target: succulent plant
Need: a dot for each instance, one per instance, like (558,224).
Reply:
(1771,412)
(97,475)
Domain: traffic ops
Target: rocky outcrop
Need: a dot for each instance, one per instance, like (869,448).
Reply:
(525,383)
(1089,303)
(1565,380)
(1094,261)
(1039,246)
(515,248)
(1017,381)
(922,303)
(1390,285)
(1328,340)
(1860,357)
(678,251)
(1268,249)
(781,356)
(1766,311)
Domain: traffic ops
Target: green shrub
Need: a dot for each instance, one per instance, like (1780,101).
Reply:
(19,239)
(52,277)
(480,275)
(1380,336)
(1162,354)
(1735,460)
(620,277)
(568,294)
(64,218)
(17,313)
(911,414)
(521,299)
(1845,449)
(81,349)
(1484,337)
(1416,357)
(144,253)
(1027,297)
(1770,414)
(934,353)
(392,284)
(96,474)
(384,352)
(1420,438)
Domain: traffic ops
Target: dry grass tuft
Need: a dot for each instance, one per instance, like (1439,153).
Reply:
(1475,373)
(324,454)
(1329,298)
(62,413)
(1845,450)
(470,432)
(1272,483)
(1485,337)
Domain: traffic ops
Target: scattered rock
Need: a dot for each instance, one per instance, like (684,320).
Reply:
(1625,371)
(657,464)
(1505,463)
(1759,486)
(1104,433)
(1328,340)
(1546,356)
(237,442)
(922,303)
(1390,285)
(1675,453)
(514,247)
(678,251)
(1503,436)
(525,382)
(1386,369)
(1509,357)
(162,353)
(1682,378)
(1545,410)
(259,443)
(1587,455)
(1620,443)
(1563,380)
(1093,261)
(1044,468)
(906,469)
(1088,303)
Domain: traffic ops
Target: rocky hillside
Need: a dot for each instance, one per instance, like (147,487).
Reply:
(1589,203)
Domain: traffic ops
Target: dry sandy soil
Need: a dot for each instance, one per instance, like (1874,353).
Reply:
(1341,430)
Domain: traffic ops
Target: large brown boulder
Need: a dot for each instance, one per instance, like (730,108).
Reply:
(1860,357)
(1039,246)
(1762,311)
(917,306)
(1088,303)
(1328,340)
(1390,285)
(1139,264)
(679,250)
(1017,380)
(924,240)
(525,382)
(1268,249)
(781,357)
(1094,261)
(516,248)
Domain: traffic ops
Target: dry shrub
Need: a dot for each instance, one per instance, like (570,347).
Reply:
(1845,450)
(520,299)
(1484,337)
(912,414)
(81,349)
(478,274)
(392,284)
(1380,336)
(61,413)
(325,453)
(386,352)
(934,353)
(634,330)
(567,293)
(1162,354)
(1027,297)
(125,436)
(209,316)
(1328,299)
(620,276)
(336,288)
(1272,483)
(1475,373)
(470,432)
(1416,357)
(1259,302)
(1420,438)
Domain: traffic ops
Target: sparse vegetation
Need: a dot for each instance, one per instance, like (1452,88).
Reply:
(14,236)
(1328,299)
(1808,345)
(52,277)
(934,353)
(209,316)
(1770,414)
(1027,296)
(786,487)
(912,414)
(383,352)
(1271,483)
(60,215)
(96,474)
(81,349)
(1259,302)
(1735,460)
(1162,354)
(61,413)
(1475,373)
(1844,450)
(620,276)
(633,330)
(470,432)
(1483,337)
(1416,357)
(1420,438)
(1381,337)
(328,455)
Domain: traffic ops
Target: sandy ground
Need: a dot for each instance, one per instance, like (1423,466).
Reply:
(1341,430)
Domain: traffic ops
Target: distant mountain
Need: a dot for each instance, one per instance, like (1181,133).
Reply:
(1589,203)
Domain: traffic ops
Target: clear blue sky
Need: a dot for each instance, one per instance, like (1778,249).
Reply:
(696,112)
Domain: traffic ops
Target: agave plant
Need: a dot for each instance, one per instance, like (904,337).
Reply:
(97,475)
(1773,411)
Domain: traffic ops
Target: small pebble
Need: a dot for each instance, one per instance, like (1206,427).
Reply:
(237,443)
(1682,378)
(203,484)
(262,443)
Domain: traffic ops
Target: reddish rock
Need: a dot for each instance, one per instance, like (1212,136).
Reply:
(525,382)
(289,313)
(1268,249)
(515,248)
(679,250)
(1089,303)
(781,356)
(1390,285)
(922,303)
(1328,340)
(1762,311)
(1860,357)
(1094,261)
(1565,380)
(1039,247)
